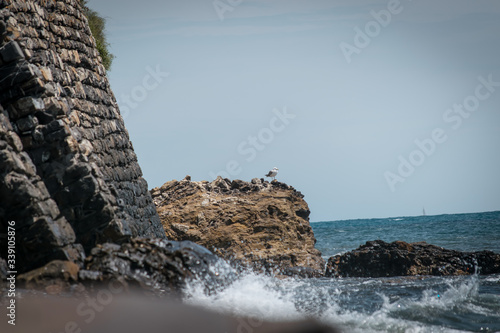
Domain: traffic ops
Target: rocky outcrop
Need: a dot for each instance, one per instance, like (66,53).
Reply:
(69,176)
(158,266)
(381,259)
(259,224)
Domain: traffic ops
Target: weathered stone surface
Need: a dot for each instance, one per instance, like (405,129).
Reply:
(158,265)
(155,266)
(11,52)
(69,177)
(381,259)
(260,224)
(42,234)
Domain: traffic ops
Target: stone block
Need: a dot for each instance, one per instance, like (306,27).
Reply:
(13,74)
(40,155)
(75,172)
(38,135)
(14,141)
(34,86)
(27,124)
(46,208)
(5,124)
(51,89)
(44,117)
(11,52)
(54,107)
(27,105)
(2,29)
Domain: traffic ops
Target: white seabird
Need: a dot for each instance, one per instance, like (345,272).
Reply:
(273,173)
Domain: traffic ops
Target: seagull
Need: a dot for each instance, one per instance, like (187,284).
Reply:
(273,173)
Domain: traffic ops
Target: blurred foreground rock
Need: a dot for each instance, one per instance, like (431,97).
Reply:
(262,225)
(108,312)
(380,259)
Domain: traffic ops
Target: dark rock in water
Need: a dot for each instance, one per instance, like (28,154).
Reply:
(156,265)
(302,272)
(381,259)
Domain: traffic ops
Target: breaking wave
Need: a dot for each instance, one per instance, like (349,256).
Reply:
(413,304)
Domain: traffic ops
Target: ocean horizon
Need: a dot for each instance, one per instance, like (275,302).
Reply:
(403,216)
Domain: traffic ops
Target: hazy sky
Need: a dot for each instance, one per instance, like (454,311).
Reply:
(369,108)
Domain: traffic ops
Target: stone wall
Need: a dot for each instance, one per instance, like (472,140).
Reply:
(69,176)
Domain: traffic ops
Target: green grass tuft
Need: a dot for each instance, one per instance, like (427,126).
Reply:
(98,26)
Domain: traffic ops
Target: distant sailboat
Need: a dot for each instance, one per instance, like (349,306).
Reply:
(423,211)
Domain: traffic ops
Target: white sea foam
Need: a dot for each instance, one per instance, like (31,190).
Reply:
(251,295)
(343,302)
(493,278)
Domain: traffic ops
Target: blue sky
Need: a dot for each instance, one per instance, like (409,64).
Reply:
(369,108)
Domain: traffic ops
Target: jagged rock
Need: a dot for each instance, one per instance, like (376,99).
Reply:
(381,259)
(156,265)
(260,224)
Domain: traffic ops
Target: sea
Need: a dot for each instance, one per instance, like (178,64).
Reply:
(396,304)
